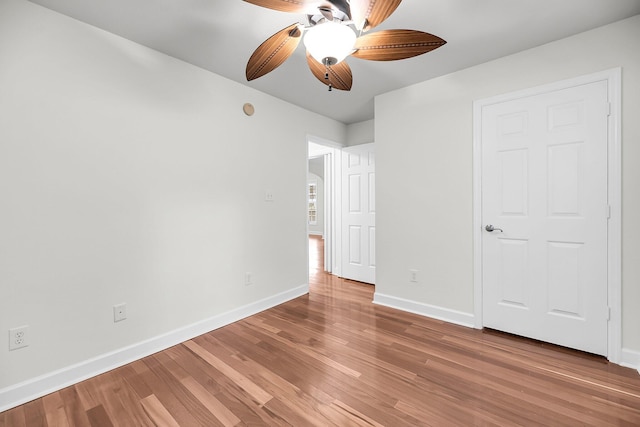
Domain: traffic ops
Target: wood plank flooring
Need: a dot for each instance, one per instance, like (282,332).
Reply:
(334,358)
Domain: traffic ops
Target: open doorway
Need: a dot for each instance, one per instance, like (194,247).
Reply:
(341,203)
(316,257)
(316,197)
(321,203)
(316,215)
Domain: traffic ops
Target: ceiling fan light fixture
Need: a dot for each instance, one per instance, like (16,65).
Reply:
(333,32)
(330,42)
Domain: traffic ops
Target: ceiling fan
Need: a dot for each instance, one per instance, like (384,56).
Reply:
(335,31)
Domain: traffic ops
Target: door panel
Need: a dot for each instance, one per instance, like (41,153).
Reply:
(564,179)
(544,182)
(355,245)
(513,274)
(372,192)
(372,247)
(358,221)
(563,284)
(513,181)
(354,194)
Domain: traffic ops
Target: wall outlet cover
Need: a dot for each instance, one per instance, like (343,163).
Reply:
(18,337)
(413,276)
(119,312)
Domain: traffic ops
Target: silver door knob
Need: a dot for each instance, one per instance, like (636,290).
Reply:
(490,228)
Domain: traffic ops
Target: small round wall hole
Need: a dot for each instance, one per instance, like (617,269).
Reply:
(248,109)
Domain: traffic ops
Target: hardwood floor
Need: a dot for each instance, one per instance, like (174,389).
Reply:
(334,358)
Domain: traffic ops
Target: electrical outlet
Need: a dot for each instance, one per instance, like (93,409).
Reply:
(248,278)
(18,337)
(119,312)
(413,276)
(268,196)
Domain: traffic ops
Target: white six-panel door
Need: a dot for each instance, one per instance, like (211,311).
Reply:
(544,191)
(358,219)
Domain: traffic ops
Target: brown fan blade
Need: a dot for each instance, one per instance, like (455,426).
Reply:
(291,6)
(273,52)
(370,13)
(340,76)
(391,45)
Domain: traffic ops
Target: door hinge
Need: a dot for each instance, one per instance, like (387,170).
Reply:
(608,211)
(608,109)
(608,313)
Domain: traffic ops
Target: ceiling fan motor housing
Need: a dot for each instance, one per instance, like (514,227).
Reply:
(343,6)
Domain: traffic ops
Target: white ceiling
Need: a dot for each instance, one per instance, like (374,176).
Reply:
(221,35)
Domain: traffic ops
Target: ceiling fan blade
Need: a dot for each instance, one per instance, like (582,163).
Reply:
(339,75)
(391,45)
(367,14)
(273,52)
(291,6)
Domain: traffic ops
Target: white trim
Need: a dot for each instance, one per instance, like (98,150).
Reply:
(336,214)
(306,205)
(323,141)
(427,310)
(614,82)
(630,359)
(315,233)
(477,213)
(328,210)
(614,243)
(29,390)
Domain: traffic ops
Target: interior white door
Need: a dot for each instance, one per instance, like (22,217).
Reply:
(358,218)
(544,191)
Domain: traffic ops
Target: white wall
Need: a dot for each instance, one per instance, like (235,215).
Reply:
(361,133)
(424,169)
(130,176)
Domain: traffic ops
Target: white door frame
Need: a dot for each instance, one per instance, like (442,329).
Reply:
(614,239)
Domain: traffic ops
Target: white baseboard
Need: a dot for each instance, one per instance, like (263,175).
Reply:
(315,233)
(29,390)
(440,313)
(630,359)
